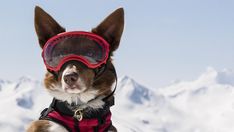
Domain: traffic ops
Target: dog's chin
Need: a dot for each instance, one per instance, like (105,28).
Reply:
(73,89)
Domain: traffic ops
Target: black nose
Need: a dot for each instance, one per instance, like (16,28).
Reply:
(70,78)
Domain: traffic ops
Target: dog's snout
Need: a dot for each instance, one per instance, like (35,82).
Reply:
(70,78)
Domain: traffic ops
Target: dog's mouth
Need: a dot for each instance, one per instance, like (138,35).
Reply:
(73,89)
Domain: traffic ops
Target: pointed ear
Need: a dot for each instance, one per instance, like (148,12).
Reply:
(45,26)
(111,28)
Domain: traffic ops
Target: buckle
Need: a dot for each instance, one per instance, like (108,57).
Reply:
(78,114)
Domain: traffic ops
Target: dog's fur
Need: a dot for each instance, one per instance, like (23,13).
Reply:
(85,88)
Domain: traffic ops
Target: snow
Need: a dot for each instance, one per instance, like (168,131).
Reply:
(205,104)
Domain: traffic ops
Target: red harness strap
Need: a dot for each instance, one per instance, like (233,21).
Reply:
(85,125)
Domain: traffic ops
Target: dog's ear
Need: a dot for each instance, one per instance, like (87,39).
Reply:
(45,26)
(111,28)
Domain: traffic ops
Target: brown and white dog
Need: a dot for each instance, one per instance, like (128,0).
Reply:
(80,88)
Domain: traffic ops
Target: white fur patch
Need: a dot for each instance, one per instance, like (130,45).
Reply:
(96,104)
(81,99)
(54,127)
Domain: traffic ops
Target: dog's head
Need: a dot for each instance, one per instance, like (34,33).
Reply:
(75,81)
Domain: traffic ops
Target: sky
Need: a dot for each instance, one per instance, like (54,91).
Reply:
(163,40)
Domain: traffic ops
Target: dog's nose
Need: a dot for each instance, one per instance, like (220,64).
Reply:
(70,78)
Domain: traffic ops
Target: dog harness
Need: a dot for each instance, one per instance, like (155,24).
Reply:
(80,120)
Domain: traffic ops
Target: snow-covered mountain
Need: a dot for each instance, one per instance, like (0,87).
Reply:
(202,105)
(20,103)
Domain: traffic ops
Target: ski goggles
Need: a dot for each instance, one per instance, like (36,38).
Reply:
(86,47)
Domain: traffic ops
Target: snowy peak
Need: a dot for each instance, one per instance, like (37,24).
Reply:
(226,77)
(3,83)
(133,91)
(213,76)
(207,81)
(123,81)
(25,81)
(128,81)
(21,81)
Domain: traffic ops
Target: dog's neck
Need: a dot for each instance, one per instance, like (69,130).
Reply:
(82,100)
(70,109)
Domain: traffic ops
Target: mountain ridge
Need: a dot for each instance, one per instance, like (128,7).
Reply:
(204,104)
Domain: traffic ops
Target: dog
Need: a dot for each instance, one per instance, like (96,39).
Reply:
(82,87)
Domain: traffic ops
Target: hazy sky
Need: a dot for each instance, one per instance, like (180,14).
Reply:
(163,40)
